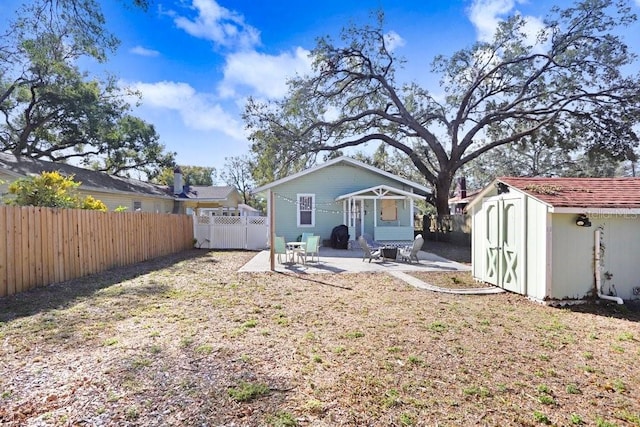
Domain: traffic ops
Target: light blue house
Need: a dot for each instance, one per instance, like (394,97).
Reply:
(345,191)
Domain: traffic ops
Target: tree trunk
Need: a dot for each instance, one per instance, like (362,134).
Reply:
(441,197)
(441,200)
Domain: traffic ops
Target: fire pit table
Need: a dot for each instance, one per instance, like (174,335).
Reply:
(389,253)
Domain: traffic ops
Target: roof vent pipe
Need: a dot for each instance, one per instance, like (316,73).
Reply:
(596,250)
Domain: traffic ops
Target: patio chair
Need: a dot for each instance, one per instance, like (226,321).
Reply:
(280,248)
(305,236)
(366,251)
(312,247)
(409,253)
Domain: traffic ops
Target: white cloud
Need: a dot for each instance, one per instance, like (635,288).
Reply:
(218,24)
(139,50)
(198,111)
(487,14)
(393,40)
(265,75)
(484,14)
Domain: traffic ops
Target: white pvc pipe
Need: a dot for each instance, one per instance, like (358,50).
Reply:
(596,250)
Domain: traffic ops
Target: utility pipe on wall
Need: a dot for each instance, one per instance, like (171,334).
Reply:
(596,251)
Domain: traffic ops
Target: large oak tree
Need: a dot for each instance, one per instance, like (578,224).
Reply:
(570,82)
(50,109)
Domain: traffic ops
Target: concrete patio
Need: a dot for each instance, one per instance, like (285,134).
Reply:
(350,261)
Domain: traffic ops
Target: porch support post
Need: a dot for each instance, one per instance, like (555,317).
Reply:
(361,217)
(352,205)
(344,212)
(411,221)
(375,215)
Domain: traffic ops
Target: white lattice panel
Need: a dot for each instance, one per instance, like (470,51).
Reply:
(257,220)
(203,220)
(232,232)
(229,220)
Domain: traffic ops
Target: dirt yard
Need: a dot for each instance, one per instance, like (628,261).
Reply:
(187,341)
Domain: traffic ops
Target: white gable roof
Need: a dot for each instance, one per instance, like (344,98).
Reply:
(381,191)
(350,161)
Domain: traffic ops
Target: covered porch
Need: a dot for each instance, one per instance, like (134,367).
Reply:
(381,213)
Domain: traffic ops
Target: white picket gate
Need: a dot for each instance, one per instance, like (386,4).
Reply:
(231,232)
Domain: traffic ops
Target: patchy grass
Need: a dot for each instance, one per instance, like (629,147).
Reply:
(449,279)
(188,341)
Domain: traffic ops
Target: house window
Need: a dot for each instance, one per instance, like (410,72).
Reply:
(306,210)
(137,205)
(389,210)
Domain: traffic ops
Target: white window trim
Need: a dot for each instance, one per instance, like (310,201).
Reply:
(313,210)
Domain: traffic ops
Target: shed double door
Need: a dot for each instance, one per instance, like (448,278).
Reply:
(503,235)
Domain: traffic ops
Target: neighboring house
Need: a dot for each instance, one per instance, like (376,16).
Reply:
(241,210)
(133,194)
(345,191)
(462,197)
(205,199)
(113,191)
(559,239)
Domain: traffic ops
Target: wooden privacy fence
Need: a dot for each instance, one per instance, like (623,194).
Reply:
(454,228)
(45,245)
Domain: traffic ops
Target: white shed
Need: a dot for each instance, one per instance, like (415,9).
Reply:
(559,239)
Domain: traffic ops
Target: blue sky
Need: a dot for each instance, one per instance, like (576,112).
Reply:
(196,61)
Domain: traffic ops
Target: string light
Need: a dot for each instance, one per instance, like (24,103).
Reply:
(316,209)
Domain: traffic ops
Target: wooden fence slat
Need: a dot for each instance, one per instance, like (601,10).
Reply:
(46,243)
(30,238)
(96,243)
(3,251)
(100,241)
(66,254)
(37,247)
(88,231)
(87,242)
(108,238)
(60,241)
(74,243)
(11,252)
(17,258)
(89,247)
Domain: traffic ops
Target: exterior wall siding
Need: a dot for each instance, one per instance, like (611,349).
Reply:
(622,245)
(148,204)
(572,258)
(573,255)
(327,184)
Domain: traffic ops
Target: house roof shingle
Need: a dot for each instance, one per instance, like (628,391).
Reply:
(580,192)
(25,166)
(418,188)
(207,192)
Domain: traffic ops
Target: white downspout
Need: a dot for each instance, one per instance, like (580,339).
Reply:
(596,250)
